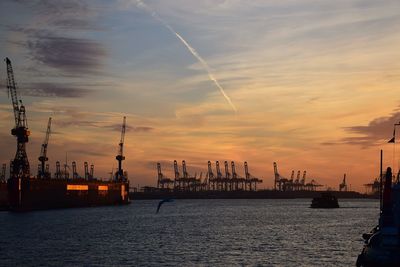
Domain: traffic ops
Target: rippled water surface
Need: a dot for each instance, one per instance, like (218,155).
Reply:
(267,232)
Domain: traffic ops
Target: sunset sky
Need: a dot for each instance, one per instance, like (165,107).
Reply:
(315,84)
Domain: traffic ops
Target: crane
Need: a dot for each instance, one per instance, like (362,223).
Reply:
(58,170)
(160,174)
(184,170)
(120,157)
(177,180)
(250,179)
(20,164)
(219,175)
(3,173)
(210,175)
(343,185)
(91,174)
(43,152)
(210,171)
(303,180)
(277,177)
(74,172)
(86,168)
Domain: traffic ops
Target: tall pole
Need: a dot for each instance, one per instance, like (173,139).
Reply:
(381,182)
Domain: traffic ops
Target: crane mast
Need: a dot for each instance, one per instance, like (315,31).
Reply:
(210,172)
(43,152)
(20,164)
(3,173)
(120,157)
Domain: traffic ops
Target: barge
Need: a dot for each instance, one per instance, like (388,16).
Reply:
(39,194)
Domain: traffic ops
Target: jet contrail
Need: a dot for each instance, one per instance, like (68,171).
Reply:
(193,51)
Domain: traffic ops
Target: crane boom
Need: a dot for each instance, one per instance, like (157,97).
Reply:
(43,152)
(12,91)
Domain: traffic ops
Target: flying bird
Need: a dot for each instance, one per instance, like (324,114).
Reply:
(162,202)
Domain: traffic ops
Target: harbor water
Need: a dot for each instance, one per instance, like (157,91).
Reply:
(258,232)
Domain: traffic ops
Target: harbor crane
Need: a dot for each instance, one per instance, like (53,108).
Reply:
(250,179)
(210,175)
(119,175)
(3,173)
(74,172)
(303,180)
(177,180)
(162,180)
(343,185)
(43,153)
(219,175)
(280,182)
(20,165)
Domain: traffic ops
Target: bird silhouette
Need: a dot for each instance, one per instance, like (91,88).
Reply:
(162,202)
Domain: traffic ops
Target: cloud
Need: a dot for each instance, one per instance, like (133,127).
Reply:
(117,127)
(89,152)
(51,90)
(72,23)
(62,14)
(76,122)
(73,55)
(58,8)
(377,131)
(81,119)
(140,129)
(54,90)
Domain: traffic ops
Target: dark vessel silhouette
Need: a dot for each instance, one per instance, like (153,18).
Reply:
(3,195)
(382,244)
(325,201)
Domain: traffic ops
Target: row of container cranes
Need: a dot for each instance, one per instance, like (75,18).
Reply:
(230,180)
(374,187)
(291,184)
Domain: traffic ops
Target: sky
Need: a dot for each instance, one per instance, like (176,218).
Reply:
(312,85)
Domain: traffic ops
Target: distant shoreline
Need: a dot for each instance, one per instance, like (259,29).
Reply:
(260,194)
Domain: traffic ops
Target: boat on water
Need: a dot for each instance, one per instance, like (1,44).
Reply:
(382,244)
(325,201)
